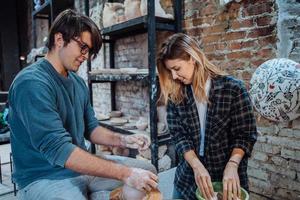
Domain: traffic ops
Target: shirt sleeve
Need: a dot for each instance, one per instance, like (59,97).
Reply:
(243,128)
(183,142)
(91,121)
(35,105)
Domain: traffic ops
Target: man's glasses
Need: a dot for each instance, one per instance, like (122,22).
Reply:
(84,48)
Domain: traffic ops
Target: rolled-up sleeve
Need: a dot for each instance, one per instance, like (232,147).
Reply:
(243,129)
(35,106)
(183,141)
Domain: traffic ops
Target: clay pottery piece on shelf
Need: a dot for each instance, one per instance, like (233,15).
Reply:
(102,117)
(128,70)
(115,113)
(129,126)
(161,127)
(142,123)
(159,11)
(132,9)
(147,153)
(110,16)
(118,121)
(164,163)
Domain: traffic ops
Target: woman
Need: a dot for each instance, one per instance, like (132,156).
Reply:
(210,117)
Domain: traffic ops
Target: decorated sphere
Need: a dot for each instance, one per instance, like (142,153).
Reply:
(275,89)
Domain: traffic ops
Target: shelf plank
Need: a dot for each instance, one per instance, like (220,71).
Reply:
(117,76)
(136,26)
(162,139)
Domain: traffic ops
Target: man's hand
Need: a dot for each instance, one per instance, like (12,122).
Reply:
(141,179)
(136,141)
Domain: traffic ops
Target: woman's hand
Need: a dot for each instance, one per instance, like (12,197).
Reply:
(231,182)
(203,181)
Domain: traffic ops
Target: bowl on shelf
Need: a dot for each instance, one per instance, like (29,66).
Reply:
(141,125)
(118,121)
(115,113)
(218,187)
(102,117)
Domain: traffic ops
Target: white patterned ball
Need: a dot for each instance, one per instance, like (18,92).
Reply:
(275,89)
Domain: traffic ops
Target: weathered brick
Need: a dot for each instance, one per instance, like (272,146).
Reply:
(257,63)
(258,173)
(255,196)
(263,21)
(195,32)
(202,20)
(295,165)
(284,182)
(267,41)
(283,193)
(296,124)
(209,48)
(211,38)
(261,31)
(220,28)
(287,132)
(260,186)
(268,148)
(277,160)
(242,44)
(221,46)
(265,53)
(272,130)
(283,170)
(234,35)
(239,54)
(260,156)
(290,153)
(258,9)
(284,142)
(225,16)
(215,56)
(208,10)
(247,23)
(254,163)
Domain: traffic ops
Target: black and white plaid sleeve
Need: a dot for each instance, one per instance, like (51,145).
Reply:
(243,128)
(183,141)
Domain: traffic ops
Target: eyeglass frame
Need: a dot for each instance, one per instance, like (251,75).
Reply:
(84,48)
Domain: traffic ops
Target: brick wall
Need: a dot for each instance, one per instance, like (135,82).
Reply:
(237,37)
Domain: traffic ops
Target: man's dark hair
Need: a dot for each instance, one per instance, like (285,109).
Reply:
(71,24)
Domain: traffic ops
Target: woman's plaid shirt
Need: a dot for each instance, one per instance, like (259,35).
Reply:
(230,123)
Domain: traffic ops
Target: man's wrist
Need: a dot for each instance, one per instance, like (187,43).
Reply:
(125,172)
(120,139)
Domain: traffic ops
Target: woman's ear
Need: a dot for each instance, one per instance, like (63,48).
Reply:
(192,61)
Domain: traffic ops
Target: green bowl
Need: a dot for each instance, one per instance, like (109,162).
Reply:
(218,187)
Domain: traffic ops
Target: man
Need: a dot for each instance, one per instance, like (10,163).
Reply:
(50,115)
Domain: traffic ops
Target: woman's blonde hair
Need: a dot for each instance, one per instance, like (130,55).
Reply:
(182,46)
